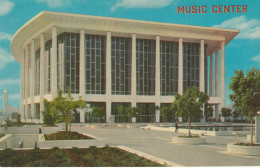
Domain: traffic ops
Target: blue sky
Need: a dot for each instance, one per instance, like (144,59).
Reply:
(243,52)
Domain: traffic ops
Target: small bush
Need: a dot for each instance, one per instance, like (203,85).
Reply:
(88,158)
(94,150)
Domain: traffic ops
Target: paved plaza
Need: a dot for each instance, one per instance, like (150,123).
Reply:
(158,144)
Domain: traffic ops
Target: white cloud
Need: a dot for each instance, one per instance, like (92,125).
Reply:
(256,58)
(5,58)
(55,3)
(141,4)
(5,7)
(8,82)
(249,29)
(5,36)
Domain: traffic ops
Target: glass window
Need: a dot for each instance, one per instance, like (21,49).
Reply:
(48,47)
(95,66)
(121,66)
(70,66)
(37,75)
(118,116)
(145,66)
(146,112)
(191,55)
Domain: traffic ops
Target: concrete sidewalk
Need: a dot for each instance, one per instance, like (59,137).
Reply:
(158,144)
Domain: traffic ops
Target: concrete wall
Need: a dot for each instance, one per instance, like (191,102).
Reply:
(210,133)
(12,141)
(5,142)
(29,130)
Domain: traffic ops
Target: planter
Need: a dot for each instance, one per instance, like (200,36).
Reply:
(191,141)
(243,150)
(121,125)
(131,126)
(97,126)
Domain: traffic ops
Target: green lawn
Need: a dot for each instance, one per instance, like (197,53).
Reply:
(75,157)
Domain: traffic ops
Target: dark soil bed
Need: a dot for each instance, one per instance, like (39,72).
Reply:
(66,135)
(192,136)
(246,144)
(75,157)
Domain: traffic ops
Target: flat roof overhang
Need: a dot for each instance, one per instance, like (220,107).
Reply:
(46,19)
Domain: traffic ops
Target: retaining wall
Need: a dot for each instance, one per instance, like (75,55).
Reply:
(199,132)
(12,141)
(29,130)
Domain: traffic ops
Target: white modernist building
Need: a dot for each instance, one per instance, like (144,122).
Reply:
(7,109)
(114,62)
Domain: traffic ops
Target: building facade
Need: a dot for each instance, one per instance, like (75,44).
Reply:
(114,62)
(7,109)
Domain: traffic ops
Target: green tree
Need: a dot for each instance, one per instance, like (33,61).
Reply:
(17,117)
(48,118)
(98,113)
(62,107)
(246,94)
(122,111)
(167,113)
(190,104)
(226,112)
(131,112)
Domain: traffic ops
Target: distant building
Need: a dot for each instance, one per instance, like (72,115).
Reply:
(114,62)
(8,110)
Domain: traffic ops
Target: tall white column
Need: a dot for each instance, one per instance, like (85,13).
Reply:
(202,73)
(22,86)
(180,70)
(108,76)
(222,75)
(32,79)
(133,81)
(180,67)
(202,67)
(42,73)
(82,76)
(217,72)
(54,63)
(26,83)
(211,76)
(157,76)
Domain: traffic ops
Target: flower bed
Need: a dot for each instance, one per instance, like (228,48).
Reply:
(192,136)
(66,135)
(75,157)
(188,140)
(246,144)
